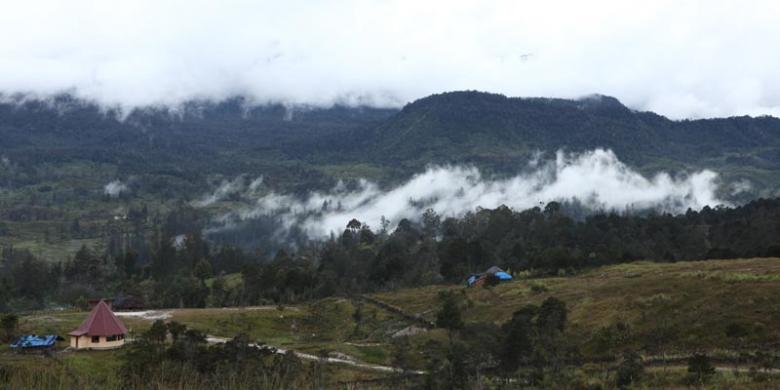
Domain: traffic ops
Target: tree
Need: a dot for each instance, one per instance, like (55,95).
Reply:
(354,225)
(384,224)
(534,337)
(402,354)
(629,369)
(449,316)
(659,337)
(765,360)
(431,223)
(219,293)
(157,333)
(9,323)
(736,332)
(366,236)
(30,277)
(699,369)
(202,270)
(176,329)
(75,227)
(518,338)
(87,266)
(128,265)
(357,316)
(552,314)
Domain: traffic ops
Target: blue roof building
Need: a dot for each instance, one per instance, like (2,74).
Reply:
(479,279)
(32,341)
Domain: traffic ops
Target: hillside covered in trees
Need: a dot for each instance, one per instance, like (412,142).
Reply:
(190,272)
(121,194)
(98,204)
(308,147)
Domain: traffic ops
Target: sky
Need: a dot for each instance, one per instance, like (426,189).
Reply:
(683,59)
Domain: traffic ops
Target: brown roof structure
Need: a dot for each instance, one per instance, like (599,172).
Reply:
(101,322)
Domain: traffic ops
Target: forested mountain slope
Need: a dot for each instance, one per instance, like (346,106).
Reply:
(293,145)
(59,156)
(502,132)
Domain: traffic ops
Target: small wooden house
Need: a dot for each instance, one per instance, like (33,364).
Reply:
(101,330)
(129,302)
(480,279)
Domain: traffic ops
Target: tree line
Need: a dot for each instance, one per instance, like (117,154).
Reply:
(176,266)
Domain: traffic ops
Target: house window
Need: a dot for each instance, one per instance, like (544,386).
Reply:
(121,336)
(111,338)
(95,339)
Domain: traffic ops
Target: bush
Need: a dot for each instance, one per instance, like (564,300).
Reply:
(700,369)
(9,323)
(629,369)
(538,287)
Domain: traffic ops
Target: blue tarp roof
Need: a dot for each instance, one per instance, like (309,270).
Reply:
(501,275)
(35,341)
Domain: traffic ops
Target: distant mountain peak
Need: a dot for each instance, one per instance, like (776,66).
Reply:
(603,103)
(470,99)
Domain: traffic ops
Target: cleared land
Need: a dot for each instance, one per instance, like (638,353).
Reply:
(699,299)
(696,299)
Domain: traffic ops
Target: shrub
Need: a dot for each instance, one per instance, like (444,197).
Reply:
(538,287)
(700,369)
(629,369)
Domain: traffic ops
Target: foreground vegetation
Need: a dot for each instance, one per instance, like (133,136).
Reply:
(647,317)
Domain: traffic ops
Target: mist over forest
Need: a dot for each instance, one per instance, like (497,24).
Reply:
(228,204)
(389,194)
(285,174)
(595,181)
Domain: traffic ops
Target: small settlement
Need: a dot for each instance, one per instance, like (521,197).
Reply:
(492,272)
(101,330)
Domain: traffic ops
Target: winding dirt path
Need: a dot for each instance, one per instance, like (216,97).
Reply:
(307,356)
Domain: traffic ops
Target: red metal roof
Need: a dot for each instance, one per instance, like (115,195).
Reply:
(101,322)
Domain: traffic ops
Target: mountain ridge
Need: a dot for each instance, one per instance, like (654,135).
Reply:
(298,144)
(473,124)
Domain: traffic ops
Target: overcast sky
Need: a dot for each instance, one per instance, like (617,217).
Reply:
(681,59)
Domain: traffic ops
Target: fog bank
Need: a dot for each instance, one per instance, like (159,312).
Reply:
(680,59)
(595,179)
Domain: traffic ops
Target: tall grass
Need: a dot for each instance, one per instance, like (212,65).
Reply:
(168,376)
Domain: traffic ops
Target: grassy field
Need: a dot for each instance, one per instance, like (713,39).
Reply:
(697,299)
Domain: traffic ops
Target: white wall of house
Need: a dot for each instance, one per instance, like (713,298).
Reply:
(96,342)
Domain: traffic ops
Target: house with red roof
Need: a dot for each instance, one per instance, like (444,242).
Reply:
(101,330)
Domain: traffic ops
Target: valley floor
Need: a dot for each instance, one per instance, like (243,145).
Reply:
(695,300)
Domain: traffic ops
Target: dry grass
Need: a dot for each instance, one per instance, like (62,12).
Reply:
(698,298)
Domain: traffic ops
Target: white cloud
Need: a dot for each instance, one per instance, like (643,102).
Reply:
(226,189)
(741,186)
(683,59)
(114,188)
(597,179)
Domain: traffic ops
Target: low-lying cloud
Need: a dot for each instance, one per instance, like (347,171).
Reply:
(115,188)
(681,59)
(595,179)
(228,188)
